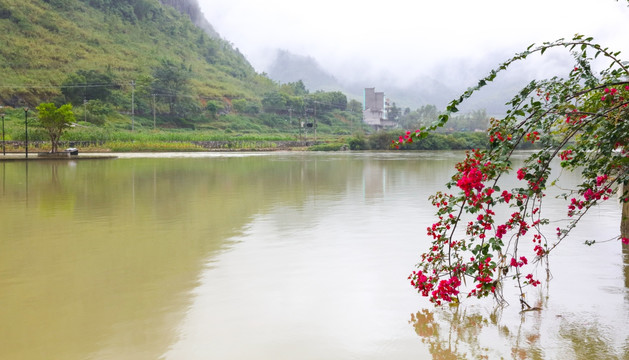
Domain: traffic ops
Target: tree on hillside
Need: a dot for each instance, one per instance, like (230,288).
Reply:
(582,120)
(129,10)
(355,106)
(88,85)
(297,88)
(426,114)
(171,82)
(393,112)
(326,101)
(55,120)
(275,102)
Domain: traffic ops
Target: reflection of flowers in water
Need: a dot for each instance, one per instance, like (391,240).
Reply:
(424,323)
(453,334)
(456,333)
(466,333)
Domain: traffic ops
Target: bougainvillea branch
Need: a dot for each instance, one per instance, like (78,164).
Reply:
(581,120)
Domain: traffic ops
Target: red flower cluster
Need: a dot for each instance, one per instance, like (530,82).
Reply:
(420,282)
(565,155)
(501,230)
(446,290)
(406,138)
(531,281)
(575,118)
(609,93)
(537,240)
(470,180)
(506,196)
(574,204)
(591,195)
(523,261)
(498,136)
(532,137)
(472,172)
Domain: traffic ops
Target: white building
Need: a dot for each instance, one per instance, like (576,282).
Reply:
(374,109)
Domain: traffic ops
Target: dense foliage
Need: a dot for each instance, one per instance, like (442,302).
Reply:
(425,115)
(76,48)
(129,63)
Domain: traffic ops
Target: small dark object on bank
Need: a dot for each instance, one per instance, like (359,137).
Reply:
(72,151)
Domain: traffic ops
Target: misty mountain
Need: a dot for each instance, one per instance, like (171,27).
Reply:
(432,91)
(192,9)
(288,67)
(445,83)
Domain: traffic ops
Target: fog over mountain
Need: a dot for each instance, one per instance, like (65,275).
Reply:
(288,67)
(192,9)
(417,52)
(446,83)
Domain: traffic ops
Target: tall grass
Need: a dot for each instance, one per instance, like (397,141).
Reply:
(151,146)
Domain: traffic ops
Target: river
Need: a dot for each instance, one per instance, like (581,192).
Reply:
(273,256)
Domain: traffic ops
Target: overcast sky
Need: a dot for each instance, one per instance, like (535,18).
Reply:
(409,38)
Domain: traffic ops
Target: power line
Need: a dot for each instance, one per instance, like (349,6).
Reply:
(58,86)
(95,85)
(306,98)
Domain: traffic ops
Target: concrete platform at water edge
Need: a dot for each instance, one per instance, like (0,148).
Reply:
(49,156)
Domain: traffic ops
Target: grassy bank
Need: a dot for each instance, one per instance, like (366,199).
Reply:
(112,138)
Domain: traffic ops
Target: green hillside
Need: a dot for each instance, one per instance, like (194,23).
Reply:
(145,64)
(46,42)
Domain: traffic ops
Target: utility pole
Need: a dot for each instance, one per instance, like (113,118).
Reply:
(315,121)
(3,146)
(290,116)
(624,222)
(26,127)
(153,111)
(351,122)
(132,104)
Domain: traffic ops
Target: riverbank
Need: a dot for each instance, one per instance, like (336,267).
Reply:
(160,142)
(33,157)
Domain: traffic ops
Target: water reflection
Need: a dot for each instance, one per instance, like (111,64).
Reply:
(455,340)
(276,256)
(461,332)
(625,256)
(98,257)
